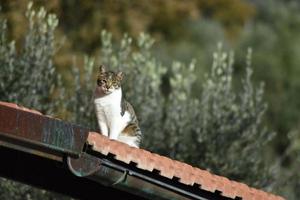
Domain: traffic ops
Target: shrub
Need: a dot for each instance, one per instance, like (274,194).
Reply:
(218,128)
(27,74)
(221,131)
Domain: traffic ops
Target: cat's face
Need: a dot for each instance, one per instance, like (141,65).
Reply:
(109,81)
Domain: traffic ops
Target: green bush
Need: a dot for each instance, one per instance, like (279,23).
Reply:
(221,131)
(218,128)
(27,74)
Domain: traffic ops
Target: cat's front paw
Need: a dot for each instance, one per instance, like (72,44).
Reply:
(103,129)
(114,134)
(113,137)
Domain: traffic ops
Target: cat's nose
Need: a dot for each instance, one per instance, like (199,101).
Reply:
(109,85)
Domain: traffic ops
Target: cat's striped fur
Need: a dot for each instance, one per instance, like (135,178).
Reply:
(116,117)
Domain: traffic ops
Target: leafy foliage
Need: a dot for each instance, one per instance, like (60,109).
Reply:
(28,75)
(214,131)
(232,119)
(217,127)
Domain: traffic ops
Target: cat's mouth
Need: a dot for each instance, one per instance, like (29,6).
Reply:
(107,90)
(110,90)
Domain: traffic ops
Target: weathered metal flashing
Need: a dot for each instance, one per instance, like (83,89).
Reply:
(39,134)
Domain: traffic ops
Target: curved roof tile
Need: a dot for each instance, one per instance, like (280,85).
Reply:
(169,168)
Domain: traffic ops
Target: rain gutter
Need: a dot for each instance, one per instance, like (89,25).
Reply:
(127,177)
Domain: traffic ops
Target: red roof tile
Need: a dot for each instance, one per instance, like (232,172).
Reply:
(169,168)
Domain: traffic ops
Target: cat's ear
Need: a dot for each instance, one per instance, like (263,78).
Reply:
(120,75)
(102,69)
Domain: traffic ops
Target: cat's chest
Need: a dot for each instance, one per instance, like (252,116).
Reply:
(108,110)
(109,106)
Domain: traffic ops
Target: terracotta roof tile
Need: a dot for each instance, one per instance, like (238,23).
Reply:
(171,169)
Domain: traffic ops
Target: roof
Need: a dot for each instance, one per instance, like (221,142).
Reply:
(169,168)
(141,163)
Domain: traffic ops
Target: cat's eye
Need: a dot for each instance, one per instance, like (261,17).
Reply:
(101,82)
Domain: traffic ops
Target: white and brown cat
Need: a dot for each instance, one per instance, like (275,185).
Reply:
(116,117)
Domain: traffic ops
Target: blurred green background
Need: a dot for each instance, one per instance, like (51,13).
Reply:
(183,31)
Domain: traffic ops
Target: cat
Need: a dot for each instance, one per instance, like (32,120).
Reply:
(116,117)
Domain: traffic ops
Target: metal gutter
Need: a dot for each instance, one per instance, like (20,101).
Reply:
(112,175)
(52,175)
(109,172)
